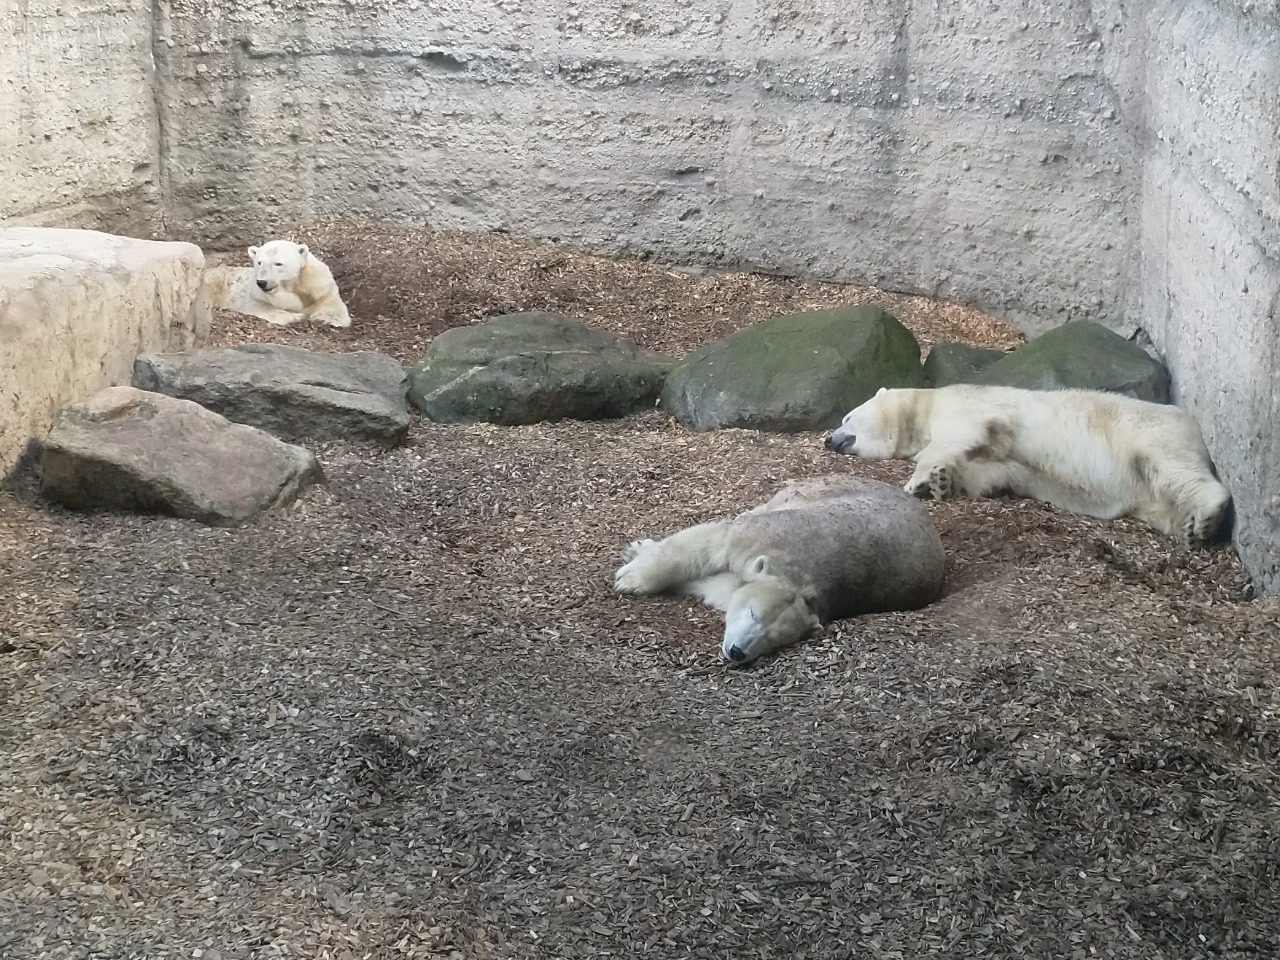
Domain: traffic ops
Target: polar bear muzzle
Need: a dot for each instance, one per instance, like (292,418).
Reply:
(840,441)
(765,614)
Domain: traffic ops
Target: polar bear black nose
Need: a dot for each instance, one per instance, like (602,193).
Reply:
(737,654)
(262,284)
(833,445)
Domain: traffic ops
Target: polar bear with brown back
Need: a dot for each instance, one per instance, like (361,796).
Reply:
(1099,454)
(287,283)
(820,550)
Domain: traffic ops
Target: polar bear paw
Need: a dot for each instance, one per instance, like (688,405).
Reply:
(634,578)
(333,317)
(938,484)
(1200,528)
(635,548)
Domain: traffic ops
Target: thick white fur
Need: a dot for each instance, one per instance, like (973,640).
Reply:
(287,283)
(1099,454)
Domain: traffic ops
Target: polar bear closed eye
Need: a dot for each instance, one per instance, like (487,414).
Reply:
(819,550)
(1098,454)
(765,614)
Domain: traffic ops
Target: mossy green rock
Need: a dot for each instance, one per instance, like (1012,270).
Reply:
(804,371)
(950,363)
(529,367)
(1082,355)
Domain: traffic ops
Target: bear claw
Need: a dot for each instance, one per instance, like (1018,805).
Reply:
(1199,530)
(941,482)
(629,580)
(938,485)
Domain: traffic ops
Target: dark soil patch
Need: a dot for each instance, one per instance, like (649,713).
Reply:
(408,717)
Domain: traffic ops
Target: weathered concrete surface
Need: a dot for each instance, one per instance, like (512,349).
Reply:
(1211,244)
(79,137)
(76,307)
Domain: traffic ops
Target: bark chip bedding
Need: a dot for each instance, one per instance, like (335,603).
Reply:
(407,717)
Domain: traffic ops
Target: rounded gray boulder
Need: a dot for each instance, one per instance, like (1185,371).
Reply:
(531,367)
(799,372)
(1082,355)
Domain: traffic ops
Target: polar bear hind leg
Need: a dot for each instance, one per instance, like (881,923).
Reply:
(1207,525)
(674,563)
(1186,501)
(1203,515)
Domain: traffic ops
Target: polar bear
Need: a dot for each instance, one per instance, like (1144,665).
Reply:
(819,550)
(1099,454)
(286,283)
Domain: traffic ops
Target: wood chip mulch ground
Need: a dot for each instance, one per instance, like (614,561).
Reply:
(408,718)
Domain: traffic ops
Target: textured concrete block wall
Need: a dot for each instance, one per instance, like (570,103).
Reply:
(955,147)
(78,131)
(1210,275)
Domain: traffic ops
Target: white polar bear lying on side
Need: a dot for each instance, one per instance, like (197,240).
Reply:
(820,550)
(286,283)
(1099,454)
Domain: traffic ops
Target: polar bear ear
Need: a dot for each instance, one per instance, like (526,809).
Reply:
(303,250)
(881,390)
(759,567)
(253,252)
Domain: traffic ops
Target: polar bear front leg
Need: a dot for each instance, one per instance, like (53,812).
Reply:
(673,563)
(286,300)
(278,318)
(333,314)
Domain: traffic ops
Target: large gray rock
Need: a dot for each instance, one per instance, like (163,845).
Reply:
(293,393)
(1083,355)
(125,449)
(950,363)
(530,367)
(799,372)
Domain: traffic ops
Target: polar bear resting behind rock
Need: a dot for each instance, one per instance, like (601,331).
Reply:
(286,283)
(1099,454)
(820,550)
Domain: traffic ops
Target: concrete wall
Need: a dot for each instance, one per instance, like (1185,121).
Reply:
(947,146)
(1210,271)
(78,131)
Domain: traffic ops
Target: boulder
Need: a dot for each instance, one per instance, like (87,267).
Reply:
(76,306)
(126,449)
(1084,355)
(950,363)
(293,393)
(529,367)
(799,372)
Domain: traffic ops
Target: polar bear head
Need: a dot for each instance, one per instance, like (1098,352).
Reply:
(765,613)
(880,429)
(278,263)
